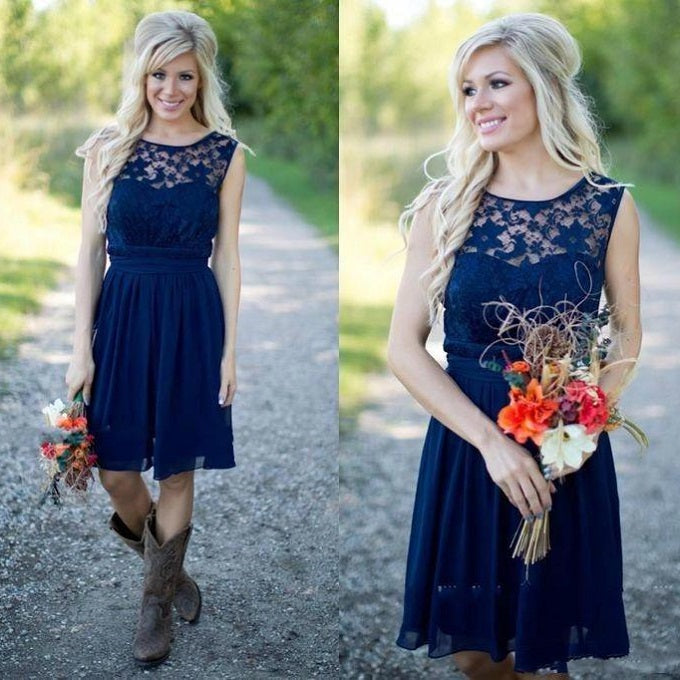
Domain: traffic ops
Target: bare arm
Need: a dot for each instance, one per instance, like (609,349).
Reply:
(508,463)
(622,288)
(89,275)
(226,266)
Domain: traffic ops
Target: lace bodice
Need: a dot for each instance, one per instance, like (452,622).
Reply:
(530,253)
(167,197)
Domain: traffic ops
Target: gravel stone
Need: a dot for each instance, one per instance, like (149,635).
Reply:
(264,547)
(379,467)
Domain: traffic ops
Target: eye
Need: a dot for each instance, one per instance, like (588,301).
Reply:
(187,76)
(497,84)
(468,91)
(158,75)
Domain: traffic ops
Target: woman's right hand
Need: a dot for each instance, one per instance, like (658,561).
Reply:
(518,475)
(79,376)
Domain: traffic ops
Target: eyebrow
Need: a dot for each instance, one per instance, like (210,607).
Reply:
(181,72)
(488,75)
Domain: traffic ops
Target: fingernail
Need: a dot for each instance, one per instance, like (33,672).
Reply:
(549,508)
(530,518)
(539,516)
(220,401)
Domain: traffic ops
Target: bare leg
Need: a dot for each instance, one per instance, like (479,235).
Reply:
(480,666)
(129,496)
(175,505)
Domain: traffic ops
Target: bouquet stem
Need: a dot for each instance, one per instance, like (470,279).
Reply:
(532,539)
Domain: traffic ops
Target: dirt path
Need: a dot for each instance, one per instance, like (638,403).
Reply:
(379,466)
(264,548)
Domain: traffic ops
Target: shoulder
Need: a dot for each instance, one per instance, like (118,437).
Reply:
(627,213)
(224,141)
(228,148)
(613,195)
(625,232)
(606,185)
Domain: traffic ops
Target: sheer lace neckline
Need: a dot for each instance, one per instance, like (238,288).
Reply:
(178,146)
(540,200)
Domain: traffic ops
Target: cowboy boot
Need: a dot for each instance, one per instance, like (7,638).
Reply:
(187,593)
(162,564)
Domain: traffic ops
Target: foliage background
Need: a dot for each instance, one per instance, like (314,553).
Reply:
(61,65)
(396,110)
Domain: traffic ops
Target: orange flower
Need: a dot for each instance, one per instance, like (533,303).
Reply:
(72,423)
(527,414)
(519,367)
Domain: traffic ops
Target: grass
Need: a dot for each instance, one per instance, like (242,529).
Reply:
(40,188)
(660,200)
(378,176)
(293,183)
(38,241)
(662,203)
(363,335)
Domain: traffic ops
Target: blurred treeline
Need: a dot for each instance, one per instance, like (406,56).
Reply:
(279,58)
(394,82)
(61,65)
(396,111)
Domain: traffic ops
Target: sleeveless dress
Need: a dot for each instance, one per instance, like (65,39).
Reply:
(464,590)
(158,331)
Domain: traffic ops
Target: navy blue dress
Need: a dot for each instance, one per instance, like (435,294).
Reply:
(159,324)
(464,590)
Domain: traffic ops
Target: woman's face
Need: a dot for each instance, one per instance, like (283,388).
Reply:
(499,101)
(172,89)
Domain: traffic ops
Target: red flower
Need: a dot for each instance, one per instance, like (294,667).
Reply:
(48,451)
(527,414)
(593,411)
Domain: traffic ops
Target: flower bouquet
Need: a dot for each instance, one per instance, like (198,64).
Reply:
(69,457)
(555,399)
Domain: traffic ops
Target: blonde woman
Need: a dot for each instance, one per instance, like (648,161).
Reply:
(154,344)
(525,212)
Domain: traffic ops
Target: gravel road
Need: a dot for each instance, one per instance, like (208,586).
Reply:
(264,548)
(379,465)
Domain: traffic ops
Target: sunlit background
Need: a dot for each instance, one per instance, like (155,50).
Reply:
(61,67)
(395,111)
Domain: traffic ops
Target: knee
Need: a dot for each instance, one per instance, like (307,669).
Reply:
(178,483)
(471,663)
(119,483)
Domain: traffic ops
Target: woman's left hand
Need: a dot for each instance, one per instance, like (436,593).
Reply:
(227,381)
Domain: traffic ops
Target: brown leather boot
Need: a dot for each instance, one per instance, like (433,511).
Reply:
(187,593)
(162,564)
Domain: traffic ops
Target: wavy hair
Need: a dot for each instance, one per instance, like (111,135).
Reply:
(159,38)
(550,59)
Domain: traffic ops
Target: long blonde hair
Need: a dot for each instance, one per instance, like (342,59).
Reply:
(550,59)
(159,38)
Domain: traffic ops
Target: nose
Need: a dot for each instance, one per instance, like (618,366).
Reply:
(169,85)
(481,102)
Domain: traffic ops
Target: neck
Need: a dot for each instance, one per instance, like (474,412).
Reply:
(164,128)
(526,166)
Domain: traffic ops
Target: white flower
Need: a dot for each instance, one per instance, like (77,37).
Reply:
(53,411)
(565,444)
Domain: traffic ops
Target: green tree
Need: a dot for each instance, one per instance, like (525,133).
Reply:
(16,28)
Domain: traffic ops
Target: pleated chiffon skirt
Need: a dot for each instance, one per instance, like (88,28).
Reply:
(465,591)
(157,346)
